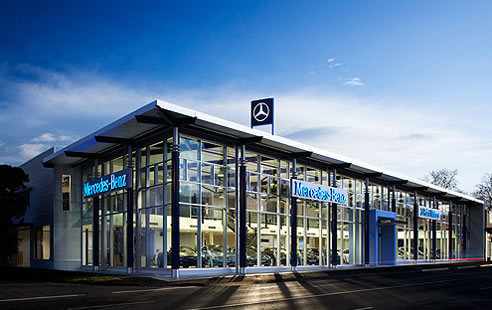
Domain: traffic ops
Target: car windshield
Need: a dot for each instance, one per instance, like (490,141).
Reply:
(187,250)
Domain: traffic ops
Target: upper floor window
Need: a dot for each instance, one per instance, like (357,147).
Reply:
(66,192)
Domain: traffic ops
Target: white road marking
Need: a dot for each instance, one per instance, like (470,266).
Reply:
(40,298)
(114,305)
(336,293)
(365,308)
(435,269)
(154,289)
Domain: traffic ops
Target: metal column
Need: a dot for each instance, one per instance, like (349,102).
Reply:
(237,203)
(434,233)
(366,223)
(129,218)
(450,231)
(293,222)
(415,228)
(393,201)
(242,211)
(95,225)
(334,226)
(175,204)
(465,231)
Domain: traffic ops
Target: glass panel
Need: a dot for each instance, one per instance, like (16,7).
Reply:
(231,238)
(220,174)
(189,193)
(269,240)
(151,238)
(156,153)
(212,153)
(118,239)
(301,257)
(312,242)
(269,166)
(188,253)
(274,186)
(252,239)
(213,196)
(253,182)
(189,149)
(207,173)
(251,162)
(87,245)
(213,251)
(193,171)
(252,201)
(312,209)
(284,240)
(269,204)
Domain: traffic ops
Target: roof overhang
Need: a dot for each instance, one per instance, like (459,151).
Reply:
(161,115)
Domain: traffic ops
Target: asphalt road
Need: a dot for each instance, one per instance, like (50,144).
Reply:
(469,288)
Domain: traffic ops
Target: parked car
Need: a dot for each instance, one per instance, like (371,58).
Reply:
(251,258)
(272,253)
(312,257)
(346,256)
(215,256)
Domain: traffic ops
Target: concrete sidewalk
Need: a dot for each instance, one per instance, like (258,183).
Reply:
(106,277)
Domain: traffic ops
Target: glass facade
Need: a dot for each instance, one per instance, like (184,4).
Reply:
(208,204)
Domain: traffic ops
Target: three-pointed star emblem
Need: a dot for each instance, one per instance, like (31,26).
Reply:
(261,112)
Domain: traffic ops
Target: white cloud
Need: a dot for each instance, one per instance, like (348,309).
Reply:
(393,134)
(49,137)
(30,150)
(354,82)
(331,59)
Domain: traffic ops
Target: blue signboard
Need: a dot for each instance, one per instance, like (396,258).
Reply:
(262,112)
(318,192)
(430,214)
(108,183)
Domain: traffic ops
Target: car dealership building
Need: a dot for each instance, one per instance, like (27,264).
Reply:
(166,189)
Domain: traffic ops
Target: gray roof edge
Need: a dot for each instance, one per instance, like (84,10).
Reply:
(112,125)
(213,119)
(206,118)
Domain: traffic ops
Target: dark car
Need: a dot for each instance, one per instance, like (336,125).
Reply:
(251,258)
(188,257)
(312,257)
(215,256)
(272,253)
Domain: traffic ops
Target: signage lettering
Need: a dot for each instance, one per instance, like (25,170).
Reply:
(323,193)
(108,183)
(430,214)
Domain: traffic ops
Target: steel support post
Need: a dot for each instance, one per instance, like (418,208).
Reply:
(175,204)
(129,217)
(415,227)
(293,222)
(334,226)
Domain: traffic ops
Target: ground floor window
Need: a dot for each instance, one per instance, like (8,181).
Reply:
(42,242)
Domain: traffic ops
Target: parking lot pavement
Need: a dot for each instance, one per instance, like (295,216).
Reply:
(436,288)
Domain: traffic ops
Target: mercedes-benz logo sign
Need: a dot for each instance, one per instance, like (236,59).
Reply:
(261,112)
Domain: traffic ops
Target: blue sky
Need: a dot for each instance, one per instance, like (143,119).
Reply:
(402,85)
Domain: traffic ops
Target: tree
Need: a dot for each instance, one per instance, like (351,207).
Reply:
(484,189)
(444,178)
(12,205)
